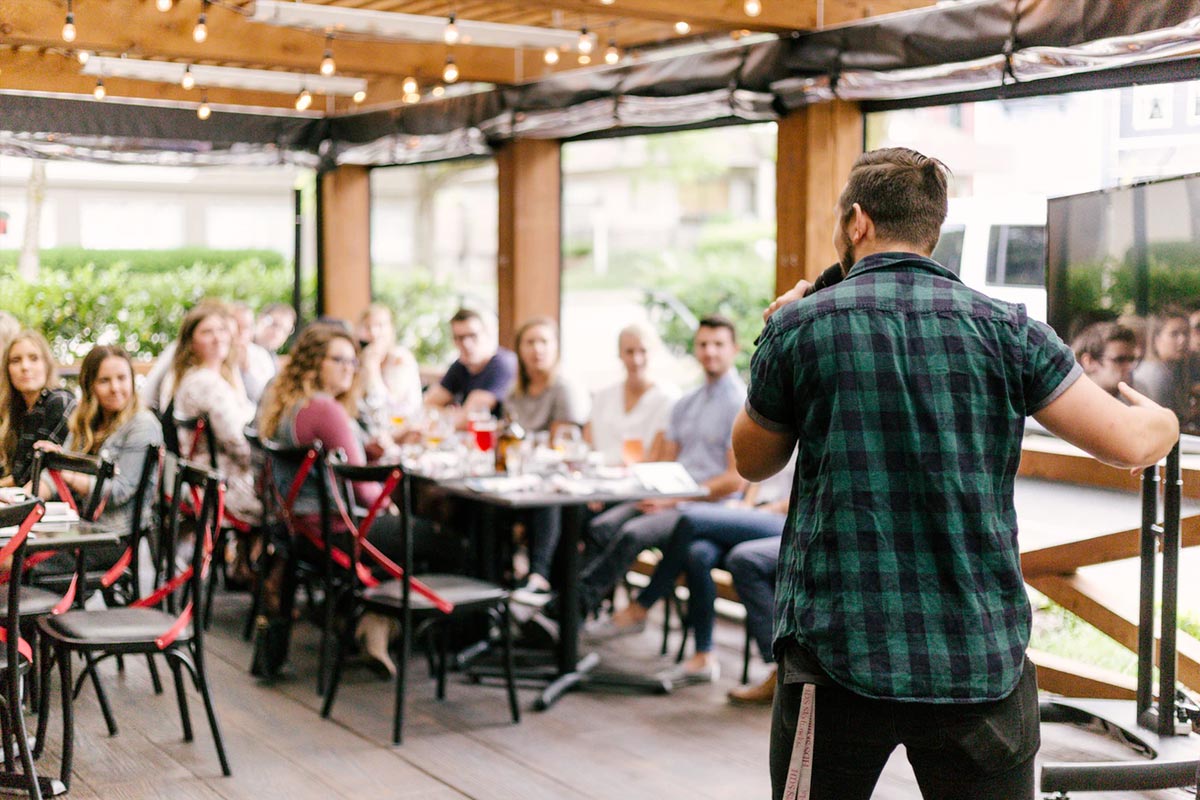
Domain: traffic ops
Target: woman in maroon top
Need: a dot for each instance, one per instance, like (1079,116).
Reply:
(315,398)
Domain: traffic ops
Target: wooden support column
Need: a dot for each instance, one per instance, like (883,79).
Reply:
(529,260)
(817,146)
(344,223)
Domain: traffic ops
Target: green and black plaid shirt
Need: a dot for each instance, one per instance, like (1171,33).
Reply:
(908,393)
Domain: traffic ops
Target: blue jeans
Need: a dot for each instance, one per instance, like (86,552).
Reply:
(701,539)
(752,565)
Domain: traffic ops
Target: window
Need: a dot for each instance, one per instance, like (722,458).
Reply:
(949,248)
(1017,255)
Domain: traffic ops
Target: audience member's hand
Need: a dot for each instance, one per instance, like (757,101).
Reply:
(795,293)
(47,446)
(653,505)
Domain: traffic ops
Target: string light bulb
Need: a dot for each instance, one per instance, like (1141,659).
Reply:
(164,5)
(83,56)
(752,8)
(68,31)
(200,32)
(99,92)
(359,96)
(438,90)
(607,2)
(450,33)
(188,81)
(585,59)
(303,100)
(550,56)
(410,85)
(612,55)
(682,27)
(328,66)
(204,112)
(585,41)
(412,97)
(450,71)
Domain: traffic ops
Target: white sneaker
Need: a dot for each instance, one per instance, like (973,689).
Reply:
(682,675)
(604,629)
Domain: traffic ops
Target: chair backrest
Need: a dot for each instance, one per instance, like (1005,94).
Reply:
(98,467)
(143,496)
(201,487)
(291,468)
(391,475)
(23,516)
(199,429)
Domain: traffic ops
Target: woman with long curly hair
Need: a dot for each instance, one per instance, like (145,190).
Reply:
(33,407)
(315,398)
(205,382)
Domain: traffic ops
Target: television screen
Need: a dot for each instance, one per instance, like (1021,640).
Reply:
(1131,255)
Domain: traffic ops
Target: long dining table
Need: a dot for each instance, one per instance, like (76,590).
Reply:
(571,494)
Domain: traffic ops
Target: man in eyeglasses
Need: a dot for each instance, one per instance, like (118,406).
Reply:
(1107,351)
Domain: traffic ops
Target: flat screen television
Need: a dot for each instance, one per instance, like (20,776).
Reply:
(1131,254)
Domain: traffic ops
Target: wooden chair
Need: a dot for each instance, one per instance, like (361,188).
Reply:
(170,621)
(405,597)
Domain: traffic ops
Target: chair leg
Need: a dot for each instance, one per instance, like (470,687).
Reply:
(509,676)
(155,681)
(219,566)
(68,714)
(402,678)
(6,725)
(205,693)
(442,637)
(326,636)
(181,696)
(669,601)
(335,677)
(17,721)
(35,669)
(45,660)
(685,627)
(102,696)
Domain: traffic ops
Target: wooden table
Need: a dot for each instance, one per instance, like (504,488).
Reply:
(570,670)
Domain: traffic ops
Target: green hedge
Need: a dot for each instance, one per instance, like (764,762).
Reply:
(67,259)
(421,305)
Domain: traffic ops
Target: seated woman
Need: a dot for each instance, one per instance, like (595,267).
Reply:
(315,398)
(702,539)
(1162,374)
(33,407)
(109,421)
(628,417)
(541,401)
(391,379)
(205,381)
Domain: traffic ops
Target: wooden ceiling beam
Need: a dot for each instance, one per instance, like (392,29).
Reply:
(135,28)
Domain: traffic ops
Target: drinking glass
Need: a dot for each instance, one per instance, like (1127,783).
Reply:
(632,450)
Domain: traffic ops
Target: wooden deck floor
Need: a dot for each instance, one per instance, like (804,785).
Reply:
(591,745)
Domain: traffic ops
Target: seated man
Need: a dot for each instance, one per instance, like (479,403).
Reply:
(1107,351)
(484,373)
(698,436)
(706,537)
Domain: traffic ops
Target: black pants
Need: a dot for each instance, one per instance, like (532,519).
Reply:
(958,752)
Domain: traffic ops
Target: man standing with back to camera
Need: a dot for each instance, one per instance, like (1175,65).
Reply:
(901,615)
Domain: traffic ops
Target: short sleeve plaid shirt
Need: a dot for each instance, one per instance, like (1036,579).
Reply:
(908,394)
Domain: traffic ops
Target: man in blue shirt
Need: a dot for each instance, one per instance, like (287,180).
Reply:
(482,376)
(698,436)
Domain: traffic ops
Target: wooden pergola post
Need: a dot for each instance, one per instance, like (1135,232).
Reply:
(344,242)
(817,146)
(529,257)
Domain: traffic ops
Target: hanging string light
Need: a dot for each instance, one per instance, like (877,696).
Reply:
(328,67)
(752,7)
(188,81)
(204,112)
(68,31)
(450,34)
(83,56)
(359,96)
(303,100)
(410,85)
(200,32)
(450,71)
(585,59)
(585,41)
(607,2)
(438,90)
(551,55)
(612,55)
(682,27)
(163,5)
(99,92)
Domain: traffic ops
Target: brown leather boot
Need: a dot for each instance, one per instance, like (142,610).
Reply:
(761,695)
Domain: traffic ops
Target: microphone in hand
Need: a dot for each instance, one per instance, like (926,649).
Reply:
(829,277)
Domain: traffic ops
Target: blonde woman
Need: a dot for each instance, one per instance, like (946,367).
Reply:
(390,376)
(205,382)
(33,407)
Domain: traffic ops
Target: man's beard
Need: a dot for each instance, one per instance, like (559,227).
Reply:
(846,257)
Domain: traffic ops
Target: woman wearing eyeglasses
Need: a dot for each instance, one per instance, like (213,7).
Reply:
(316,398)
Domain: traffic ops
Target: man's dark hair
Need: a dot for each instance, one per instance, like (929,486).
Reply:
(902,191)
(1094,339)
(465,315)
(719,321)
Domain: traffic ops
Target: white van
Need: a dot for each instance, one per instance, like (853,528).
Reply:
(998,246)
